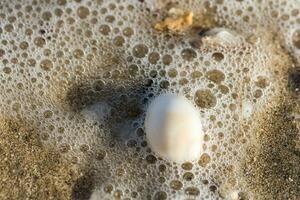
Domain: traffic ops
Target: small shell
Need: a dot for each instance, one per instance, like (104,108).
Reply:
(173,128)
(221,36)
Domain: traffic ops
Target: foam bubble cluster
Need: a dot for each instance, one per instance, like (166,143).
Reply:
(83,73)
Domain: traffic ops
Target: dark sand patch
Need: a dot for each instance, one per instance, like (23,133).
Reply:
(28,170)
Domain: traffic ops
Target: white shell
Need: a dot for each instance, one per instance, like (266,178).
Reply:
(173,128)
(221,36)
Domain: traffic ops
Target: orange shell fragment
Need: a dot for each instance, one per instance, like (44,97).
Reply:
(177,24)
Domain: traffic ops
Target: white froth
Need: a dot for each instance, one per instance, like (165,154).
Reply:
(82,79)
(97,112)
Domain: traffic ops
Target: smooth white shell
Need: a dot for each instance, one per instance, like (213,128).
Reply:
(221,36)
(173,128)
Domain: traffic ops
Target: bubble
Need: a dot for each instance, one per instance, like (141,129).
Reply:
(205,99)
(151,159)
(134,194)
(16,106)
(164,84)
(293,79)
(119,41)
(261,82)
(7,70)
(153,57)
(140,132)
(187,166)
(120,172)
(61,129)
(218,56)
(188,54)
(131,143)
(65,148)
(257,93)
(98,85)
(172,73)
(232,107)
(61,2)
(160,195)
(104,29)
(213,188)
(161,180)
(108,188)
(133,70)
(204,160)
(192,191)
(39,41)
(183,81)
(167,59)
(28,31)
(24,45)
(46,16)
(78,53)
(128,32)
(48,114)
(84,148)
(2,52)
(58,12)
(8,28)
(79,69)
(215,76)
(140,50)
(188,176)
(176,184)
(110,18)
(219,1)
(196,74)
(46,64)
(162,168)
(100,155)
(83,12)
